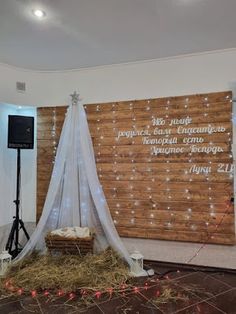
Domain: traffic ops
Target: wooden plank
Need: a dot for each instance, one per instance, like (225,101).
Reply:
(141,113)
(186,206)
(146,192)
(110,129)
(186,236)
(193,100)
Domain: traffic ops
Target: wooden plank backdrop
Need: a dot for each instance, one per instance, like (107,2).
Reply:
(165,164)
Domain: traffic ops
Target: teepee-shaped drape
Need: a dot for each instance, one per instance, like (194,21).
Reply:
(75,196)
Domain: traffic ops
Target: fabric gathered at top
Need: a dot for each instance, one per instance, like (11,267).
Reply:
(75,196)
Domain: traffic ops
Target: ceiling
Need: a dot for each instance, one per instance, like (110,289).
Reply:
(85,33)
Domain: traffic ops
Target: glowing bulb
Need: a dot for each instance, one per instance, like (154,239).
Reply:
(39,13)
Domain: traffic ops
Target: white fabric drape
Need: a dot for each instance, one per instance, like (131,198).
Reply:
(75,196)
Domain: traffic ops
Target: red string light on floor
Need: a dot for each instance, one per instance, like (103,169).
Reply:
(136,289)
(72,296)
(98,294)
(60,293)
(110,291)
(20,291)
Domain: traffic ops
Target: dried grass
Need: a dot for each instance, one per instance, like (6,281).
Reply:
(69,272)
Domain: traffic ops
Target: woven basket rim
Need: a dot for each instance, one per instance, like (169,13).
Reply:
(60,238)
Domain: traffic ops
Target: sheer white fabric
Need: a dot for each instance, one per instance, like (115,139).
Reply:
(75,196)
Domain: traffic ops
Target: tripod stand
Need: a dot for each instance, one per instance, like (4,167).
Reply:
(17,222)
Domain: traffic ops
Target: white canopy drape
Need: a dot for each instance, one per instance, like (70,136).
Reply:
(75,196)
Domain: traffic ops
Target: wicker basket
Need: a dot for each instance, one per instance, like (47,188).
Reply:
(63,245)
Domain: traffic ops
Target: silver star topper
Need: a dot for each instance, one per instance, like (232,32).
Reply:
(75,98)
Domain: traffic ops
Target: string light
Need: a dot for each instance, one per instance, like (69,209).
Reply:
(168,177)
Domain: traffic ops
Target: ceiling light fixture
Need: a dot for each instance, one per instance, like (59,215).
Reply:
(39,13)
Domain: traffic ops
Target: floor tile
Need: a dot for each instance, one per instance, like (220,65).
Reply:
(225,301)
(171,272)
(8,299)
(133,303)
(227,278)
(204,285)
(200,308)
(11,307)
(152,295)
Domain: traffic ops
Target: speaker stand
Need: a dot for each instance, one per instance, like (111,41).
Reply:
(18,224)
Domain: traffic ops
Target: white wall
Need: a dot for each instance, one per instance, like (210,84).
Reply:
(209,72)
(202,73)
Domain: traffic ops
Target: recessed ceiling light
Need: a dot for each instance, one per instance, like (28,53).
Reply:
(39,13)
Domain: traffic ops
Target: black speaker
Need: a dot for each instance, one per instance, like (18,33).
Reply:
(20,132)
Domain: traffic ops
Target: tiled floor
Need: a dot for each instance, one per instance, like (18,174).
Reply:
(213,293)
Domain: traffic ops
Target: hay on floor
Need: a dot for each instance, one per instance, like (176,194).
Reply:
(68,272)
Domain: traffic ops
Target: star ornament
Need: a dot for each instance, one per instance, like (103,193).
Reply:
(75,98)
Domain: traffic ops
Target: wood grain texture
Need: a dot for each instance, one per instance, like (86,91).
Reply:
(156,196)
(49,125)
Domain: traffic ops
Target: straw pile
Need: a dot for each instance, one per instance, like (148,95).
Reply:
(69,272)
